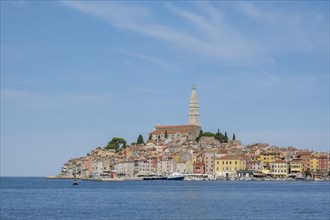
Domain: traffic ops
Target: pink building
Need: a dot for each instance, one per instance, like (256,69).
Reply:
(323,165)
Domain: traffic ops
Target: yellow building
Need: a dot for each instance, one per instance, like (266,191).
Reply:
(176,158)
(314,164)
(267,158)
(296,166)
(227,166)
(194,157)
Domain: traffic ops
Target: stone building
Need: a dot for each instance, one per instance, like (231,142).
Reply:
(181,132)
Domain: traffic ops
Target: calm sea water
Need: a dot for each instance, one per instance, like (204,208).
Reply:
(39,198)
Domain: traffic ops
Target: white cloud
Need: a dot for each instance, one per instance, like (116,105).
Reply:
(218,40)
(286,29)
(213,34)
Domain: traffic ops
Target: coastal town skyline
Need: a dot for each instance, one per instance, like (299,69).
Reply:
(186,152)
(87,72)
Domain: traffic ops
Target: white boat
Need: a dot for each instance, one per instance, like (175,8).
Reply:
(299,177)
(318,179)
(175,176)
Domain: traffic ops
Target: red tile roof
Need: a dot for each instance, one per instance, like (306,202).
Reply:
(173,129)
(230,157)
(279,161)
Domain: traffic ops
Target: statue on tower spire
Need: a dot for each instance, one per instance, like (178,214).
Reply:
(193,108)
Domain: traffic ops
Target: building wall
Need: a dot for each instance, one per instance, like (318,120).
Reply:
(295,167)
(314,165)
(209,158)
(144,167)
(323,165)
(125,168)
(166,167)
(224,167)
(279,169)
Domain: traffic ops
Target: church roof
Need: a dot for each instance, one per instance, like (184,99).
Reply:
(173,129)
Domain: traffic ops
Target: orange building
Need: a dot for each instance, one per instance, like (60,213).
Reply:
(305,160)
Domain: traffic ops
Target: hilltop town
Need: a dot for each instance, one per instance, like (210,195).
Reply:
(188,150)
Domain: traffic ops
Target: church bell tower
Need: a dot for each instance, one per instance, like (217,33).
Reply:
(193,108)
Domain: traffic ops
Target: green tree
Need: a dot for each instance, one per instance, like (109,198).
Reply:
(220,137)
(165,133)
(208,134)
(226,138)
(140,140)
(234,138)
(116,143)
(150,137)
(199,136)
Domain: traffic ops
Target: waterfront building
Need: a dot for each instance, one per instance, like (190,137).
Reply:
(97,167)
(296,166)
(323,165)
(244,174)
(166,166)
(305,160)
(184,166)
(209,158)
(86,167)
(255,165)
(268,157)
(144,167)
(227,166)
(125,168)
(314,166)
(199,167)
(152,161)
(181,132)
(279,168)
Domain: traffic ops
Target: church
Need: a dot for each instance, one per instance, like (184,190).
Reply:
(181,132)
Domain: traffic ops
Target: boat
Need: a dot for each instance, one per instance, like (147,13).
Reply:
(175,176)
(299,177)
(317,178)
(154,177)
(75,182)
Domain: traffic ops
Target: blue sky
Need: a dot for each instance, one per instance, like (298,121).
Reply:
(76,74)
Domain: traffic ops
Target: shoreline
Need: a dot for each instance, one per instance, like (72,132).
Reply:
(213,180)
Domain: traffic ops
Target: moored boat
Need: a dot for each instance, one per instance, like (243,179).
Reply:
(318,178)
(175,176)
(299,177)
(154,177)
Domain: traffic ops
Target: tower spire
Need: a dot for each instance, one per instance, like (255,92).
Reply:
(193,108)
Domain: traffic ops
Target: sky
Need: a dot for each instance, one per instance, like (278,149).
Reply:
(76,74)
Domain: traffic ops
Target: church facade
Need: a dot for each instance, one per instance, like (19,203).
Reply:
(181,132)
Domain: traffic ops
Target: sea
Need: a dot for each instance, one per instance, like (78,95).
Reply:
(41,198)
